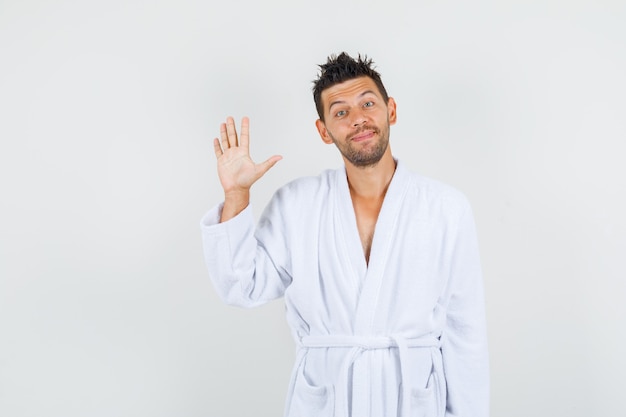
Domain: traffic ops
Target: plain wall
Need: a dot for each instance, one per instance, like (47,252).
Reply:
(107,114)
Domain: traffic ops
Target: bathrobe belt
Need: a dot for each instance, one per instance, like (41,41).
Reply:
(360,344)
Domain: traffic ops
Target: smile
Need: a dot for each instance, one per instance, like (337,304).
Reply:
(363,136)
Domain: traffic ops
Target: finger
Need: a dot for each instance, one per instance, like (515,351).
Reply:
(217,148)
(224,136)
(267,164)
(231,131)
(244,139)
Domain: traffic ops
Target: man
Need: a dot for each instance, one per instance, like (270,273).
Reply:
(379,267)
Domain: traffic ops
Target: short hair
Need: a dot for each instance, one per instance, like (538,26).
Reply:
(343,67)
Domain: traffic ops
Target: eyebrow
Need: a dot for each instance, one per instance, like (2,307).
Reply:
(364,93)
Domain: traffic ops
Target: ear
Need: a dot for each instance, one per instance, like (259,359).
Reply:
(321,128)
(391,111)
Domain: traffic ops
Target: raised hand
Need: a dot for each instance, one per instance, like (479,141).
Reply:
(236,170)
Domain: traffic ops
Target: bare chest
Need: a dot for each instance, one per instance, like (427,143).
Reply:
(366,218)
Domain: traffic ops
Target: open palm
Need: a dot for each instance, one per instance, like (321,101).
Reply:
(236,170)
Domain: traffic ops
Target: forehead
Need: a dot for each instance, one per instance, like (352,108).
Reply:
(349,89)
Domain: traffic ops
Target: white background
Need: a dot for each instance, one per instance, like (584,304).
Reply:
(107,112)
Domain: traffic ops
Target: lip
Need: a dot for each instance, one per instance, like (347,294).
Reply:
(368,134)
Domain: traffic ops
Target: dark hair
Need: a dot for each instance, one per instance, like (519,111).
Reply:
(338,69)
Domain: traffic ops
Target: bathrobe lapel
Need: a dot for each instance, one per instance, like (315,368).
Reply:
(369,278)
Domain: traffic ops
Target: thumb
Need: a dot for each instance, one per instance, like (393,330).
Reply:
(265,166)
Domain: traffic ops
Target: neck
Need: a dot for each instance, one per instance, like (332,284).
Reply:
(371,182)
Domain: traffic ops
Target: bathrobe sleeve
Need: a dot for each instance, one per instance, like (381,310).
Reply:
(464,340)
(248,264)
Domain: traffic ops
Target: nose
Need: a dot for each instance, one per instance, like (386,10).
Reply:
(358,118)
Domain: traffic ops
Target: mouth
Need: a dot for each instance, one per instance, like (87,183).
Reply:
(364,135)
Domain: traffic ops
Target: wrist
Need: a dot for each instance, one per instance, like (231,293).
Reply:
(234,203)
(237,195)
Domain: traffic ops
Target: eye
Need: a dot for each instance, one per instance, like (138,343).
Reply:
(368,104)
(340,113)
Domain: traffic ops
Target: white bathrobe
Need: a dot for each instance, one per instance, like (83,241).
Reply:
(402,336)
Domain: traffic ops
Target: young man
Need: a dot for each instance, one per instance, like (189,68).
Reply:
(379,267)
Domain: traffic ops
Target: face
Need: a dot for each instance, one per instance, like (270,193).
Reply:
(357,120)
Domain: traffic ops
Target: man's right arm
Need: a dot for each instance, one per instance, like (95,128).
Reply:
(244,272)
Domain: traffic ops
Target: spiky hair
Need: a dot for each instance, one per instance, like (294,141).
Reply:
(340,68)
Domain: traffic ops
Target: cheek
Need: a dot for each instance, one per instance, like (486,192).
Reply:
(330,135)
(334,129)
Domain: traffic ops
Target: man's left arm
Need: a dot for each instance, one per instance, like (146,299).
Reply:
(464,341)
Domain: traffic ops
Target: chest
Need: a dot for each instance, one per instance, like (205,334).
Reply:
(400,283)
(366,214)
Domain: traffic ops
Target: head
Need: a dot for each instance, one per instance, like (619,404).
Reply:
(354,109)
(343,67)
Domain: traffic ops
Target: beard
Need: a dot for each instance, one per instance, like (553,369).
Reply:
(363,155)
